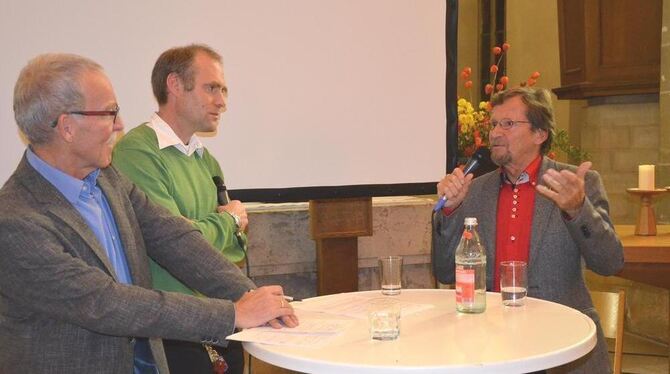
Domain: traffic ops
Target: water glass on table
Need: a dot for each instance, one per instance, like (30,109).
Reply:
(513,282)
(384,318)
(390,273)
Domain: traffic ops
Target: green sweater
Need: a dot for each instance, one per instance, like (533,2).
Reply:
(183,184)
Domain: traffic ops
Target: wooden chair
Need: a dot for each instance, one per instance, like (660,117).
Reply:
(611,308)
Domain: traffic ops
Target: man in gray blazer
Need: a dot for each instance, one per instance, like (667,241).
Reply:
(76,236)
(550,214)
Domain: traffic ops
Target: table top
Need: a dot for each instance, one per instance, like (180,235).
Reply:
(536,336)
(646,258)
(645,249)
(639,248)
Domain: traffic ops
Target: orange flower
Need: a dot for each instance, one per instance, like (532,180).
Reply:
(497,50)
(478,141)
(467,84)
(488,89)
(505,46)
(494,69)
(504,80)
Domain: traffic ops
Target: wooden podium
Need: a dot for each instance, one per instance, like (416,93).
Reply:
(335,225)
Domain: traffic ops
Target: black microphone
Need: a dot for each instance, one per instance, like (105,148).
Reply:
(473,163)
(221,191)
(223,199)
(476,160)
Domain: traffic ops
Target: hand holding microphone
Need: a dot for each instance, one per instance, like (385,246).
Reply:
(453,188)
(235,208)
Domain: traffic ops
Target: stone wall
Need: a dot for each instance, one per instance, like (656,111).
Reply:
(620,133)
(282,252)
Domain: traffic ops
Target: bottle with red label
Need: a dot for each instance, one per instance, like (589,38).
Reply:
(470,270)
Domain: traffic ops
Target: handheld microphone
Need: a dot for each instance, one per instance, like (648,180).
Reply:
(473,163)
(221,191)
(223,199)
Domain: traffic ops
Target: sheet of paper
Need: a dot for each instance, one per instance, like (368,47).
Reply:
(314,330)
(287,339)
(354,306)
(310,325)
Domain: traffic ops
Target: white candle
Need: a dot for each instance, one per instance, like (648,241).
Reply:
(646,177)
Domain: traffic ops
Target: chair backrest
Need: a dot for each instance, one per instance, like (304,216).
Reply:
(611,308)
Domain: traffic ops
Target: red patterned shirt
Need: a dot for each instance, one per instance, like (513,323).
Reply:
(515,217)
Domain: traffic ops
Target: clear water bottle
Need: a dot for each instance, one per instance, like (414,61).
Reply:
(470,271)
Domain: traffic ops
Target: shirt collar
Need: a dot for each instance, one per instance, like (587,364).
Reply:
(528,175)
(168,138)
(66,184)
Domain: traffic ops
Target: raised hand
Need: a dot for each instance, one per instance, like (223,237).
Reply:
(565,188)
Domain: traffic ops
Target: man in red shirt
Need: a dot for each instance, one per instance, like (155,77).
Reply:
(549,214)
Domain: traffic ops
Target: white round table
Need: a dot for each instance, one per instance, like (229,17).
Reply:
(536,336)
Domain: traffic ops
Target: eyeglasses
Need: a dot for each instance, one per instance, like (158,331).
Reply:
(505,123)
(98,113)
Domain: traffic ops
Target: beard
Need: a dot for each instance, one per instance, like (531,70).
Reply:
(501,158)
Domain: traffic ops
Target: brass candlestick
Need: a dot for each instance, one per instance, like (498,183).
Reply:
(646,219)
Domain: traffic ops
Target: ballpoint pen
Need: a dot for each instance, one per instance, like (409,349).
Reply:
(291,298)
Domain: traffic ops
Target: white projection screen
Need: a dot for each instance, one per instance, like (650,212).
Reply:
(322,93)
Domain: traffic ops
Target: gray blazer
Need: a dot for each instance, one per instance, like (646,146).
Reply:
(62,309)
(557,246)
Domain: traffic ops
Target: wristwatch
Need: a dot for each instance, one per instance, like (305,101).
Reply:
(236,218)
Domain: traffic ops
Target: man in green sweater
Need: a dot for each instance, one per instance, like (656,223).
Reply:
(166,159)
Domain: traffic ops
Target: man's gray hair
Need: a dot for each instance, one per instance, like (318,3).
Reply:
(47,87)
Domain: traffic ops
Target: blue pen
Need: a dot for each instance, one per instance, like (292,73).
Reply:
(472,165)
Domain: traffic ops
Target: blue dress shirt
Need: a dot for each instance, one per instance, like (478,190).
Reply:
(91,203)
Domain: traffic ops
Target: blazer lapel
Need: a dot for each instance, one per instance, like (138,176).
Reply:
(115,200)
(544,208)
(61,209)
(488,214)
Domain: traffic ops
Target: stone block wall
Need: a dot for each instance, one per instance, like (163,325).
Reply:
(282,252)
(621,133)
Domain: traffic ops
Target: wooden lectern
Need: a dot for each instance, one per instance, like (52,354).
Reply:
(335,225)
